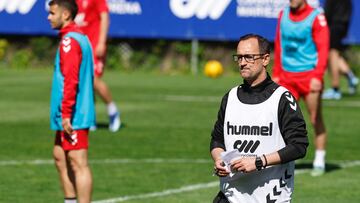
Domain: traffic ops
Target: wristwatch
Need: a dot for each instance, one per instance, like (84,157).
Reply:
(258,163)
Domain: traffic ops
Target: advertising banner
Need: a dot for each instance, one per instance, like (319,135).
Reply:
(169,19)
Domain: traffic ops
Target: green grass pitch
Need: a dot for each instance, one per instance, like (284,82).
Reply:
(162,153)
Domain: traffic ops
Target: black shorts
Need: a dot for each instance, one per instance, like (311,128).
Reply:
(337,33)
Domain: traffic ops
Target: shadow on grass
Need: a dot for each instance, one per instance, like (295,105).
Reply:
(105,126)
(329,167)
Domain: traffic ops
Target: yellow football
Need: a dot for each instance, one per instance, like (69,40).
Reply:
(213,69)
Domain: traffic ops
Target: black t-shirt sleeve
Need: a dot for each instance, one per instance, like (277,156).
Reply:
(217,134)
(293,129)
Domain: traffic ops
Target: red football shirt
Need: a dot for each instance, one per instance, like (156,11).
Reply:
(88,18)
(320,34)
(70,61)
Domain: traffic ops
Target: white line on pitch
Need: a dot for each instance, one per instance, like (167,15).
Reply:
(109,161)
(189,188)
(342,163)
(194,98)
(342,103)
(189,98)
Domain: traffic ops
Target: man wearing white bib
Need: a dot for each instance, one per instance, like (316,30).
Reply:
(259,132)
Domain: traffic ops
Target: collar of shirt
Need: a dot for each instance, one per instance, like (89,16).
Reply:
(259,87)
(301,14)
(69,28)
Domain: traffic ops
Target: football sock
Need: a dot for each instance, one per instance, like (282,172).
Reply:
(319,160)
(350,75)
(111,108)
(70,200)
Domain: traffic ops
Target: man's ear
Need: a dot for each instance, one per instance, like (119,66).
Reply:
(66,15)
(266,59)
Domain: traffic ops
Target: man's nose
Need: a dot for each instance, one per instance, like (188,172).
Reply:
(242,61)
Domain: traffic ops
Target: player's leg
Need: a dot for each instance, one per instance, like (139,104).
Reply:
(313,104)
(83,178)
(66,177)
(334,91)
(341,33)
(334,58)
(103,91)
(113,113)
(336,35)
(345,69)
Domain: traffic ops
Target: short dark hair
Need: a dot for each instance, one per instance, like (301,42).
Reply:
(70,5)
(264,44)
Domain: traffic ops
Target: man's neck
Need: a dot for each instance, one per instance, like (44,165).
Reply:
(66,24)
(299,8)
(256,82)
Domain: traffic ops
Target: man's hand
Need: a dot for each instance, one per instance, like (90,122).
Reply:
(66,124)
(100,50)
(219,168)
(245,164)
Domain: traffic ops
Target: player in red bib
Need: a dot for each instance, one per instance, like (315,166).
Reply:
(338,15)
(301,52)
(93,19)
(71,112)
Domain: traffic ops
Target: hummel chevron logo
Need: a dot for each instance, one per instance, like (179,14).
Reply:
(292,101)
(268,200)
(66,48)
(282,183)
(275,193)
(66,41)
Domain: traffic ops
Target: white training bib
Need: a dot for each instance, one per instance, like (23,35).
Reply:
(253,129)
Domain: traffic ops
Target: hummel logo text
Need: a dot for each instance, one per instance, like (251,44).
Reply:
(249,130)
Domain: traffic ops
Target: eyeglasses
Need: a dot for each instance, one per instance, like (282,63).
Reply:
(250,58)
